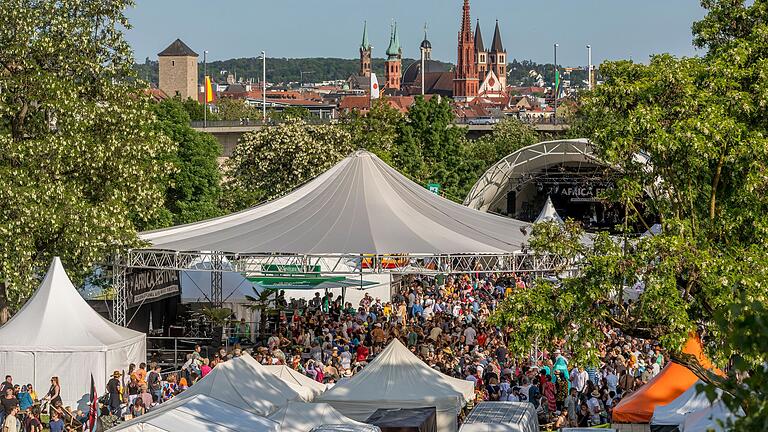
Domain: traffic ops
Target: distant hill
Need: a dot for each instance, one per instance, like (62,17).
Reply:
(283,70)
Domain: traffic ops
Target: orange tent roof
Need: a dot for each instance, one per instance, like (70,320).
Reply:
(662,389)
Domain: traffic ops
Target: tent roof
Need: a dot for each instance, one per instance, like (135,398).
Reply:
(675,412)
(244,383)
(199,413)
(548,213)
(396,374)
(305,385)
(709,418)
(359,206)
(662,389)
(303,416)
(57,318)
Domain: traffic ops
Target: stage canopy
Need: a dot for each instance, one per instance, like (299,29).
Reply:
(396,378)
(359,206)
(56,333)
(662,389)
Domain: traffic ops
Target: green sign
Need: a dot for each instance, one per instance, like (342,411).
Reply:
(290,269)
(434,188)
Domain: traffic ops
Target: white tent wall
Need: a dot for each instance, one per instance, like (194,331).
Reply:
(447,415)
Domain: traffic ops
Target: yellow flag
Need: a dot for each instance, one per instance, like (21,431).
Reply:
(208,89)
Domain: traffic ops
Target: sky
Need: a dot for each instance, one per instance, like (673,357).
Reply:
(616,29)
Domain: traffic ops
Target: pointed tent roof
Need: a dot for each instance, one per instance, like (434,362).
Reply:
(479,38)
(359,206)
(244,383)
(497,46)
(548,213)
(365,45)
(305,385)
(302,417)
(56,318)
(177,48)
(674,413)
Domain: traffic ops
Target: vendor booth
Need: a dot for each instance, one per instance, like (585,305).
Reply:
(669,417)
(57,334)
(502,417)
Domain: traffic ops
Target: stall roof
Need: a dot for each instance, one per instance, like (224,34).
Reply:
(359,206)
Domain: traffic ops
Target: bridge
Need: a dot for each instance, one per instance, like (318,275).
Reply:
(227,133)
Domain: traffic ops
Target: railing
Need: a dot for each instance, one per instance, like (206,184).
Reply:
(246,122)
(187,346)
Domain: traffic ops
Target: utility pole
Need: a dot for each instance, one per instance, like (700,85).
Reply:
(556,83)
(589,66)
(263,86)
(205,89)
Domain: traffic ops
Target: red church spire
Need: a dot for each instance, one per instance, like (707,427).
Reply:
(465,82)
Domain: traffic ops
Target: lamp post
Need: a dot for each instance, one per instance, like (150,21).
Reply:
(205,89)
(556,84)
(263,86)
(589,66)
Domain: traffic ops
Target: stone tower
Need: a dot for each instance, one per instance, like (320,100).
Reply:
(178,71)
(498,57)
(365,53)
(465,81)
(481,53)
(394,64)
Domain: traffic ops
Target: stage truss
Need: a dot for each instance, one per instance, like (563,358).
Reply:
(328,264)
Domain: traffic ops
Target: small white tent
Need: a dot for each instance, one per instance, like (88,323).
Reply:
(396,378)
(56,333)
(674,413)
(245,384)
(709,418)
(303,417)
(306,386)
(548,213)
(199,413)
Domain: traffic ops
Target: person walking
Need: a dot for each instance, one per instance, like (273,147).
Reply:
(114,392)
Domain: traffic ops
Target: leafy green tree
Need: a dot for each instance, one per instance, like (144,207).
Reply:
(275,160)
(81,160)
(702,124)
(236,109)
(377,130)
(195,184)
(195,110)
(509,136)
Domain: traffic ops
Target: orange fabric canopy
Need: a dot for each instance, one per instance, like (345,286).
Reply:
(662,389)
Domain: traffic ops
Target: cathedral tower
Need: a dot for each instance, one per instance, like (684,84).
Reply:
(465,81)
(498,57)
(482,54)
(365,53)
(393,65)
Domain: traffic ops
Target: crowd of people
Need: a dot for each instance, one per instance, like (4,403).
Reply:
(442,321)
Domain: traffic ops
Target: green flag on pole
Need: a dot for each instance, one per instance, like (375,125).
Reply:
(557,82)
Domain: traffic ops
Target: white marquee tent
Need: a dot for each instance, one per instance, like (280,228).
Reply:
(548,213)
(396,378)
(306,386)
(56,333)
(199,413)
(303,417)
(245,384)
(674,413)
(709,418)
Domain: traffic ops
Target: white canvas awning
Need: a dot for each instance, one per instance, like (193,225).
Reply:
(359,206)
(674,413)
(303,417)
(304,385)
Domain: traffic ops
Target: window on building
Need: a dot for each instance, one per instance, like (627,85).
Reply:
(173,63)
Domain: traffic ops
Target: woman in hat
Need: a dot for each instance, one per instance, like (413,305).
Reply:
(114,390)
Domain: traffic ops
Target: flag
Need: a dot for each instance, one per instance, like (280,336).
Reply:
(94,409)
(208,89)
(557,82)
(375,91)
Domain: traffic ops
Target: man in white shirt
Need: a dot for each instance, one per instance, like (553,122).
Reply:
(470,336)
(593,404)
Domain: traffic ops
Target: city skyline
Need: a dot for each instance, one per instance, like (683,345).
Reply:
(617,30)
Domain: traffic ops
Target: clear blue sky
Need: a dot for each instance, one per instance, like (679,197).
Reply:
(332,28)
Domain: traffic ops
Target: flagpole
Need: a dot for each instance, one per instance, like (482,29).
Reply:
(205,87)
(264,86)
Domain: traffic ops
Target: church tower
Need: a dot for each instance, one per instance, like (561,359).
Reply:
(482,54)
(365,53)
(465,81)
(393,65)
(498,57)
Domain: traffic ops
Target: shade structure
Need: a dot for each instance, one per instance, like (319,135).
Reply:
(672,415)
(548,213)
(710,418)
(396,378)
(502,417)
(359,206)
(56,333)
(199,413)
(304,385)
(244,383)
(664,388)
(303,417)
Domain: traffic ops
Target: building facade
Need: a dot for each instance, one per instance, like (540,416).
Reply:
(465,81)
(178,71)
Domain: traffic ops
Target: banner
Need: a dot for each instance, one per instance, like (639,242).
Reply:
(375,91)
(146,286)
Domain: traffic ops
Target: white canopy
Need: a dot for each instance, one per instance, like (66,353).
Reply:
(359,206)
(56,333)
(245,384)
(303,417)
(674,413)
(654,230)
(548,213)
(304,385)
(199,413)
(396,378)
(709,418)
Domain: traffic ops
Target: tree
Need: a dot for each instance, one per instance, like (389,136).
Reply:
(509,136)
(275,160)
(376,130)
(80,159)
(236,109)
(194,187)
(702,124)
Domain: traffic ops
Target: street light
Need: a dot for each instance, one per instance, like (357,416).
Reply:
(556,82)
(205,89)
(589,66)
(263,86)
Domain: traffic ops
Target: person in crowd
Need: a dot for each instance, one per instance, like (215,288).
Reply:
(106,420)
(114,393)
(7,384)
(11,422)
(32,422)
(25,399)
(56,424)
(138,408)
(54,393)
(155,383)
(9,401)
